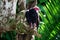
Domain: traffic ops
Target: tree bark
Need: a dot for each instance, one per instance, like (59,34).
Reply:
(7,14)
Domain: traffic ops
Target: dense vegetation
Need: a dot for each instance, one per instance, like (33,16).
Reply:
(50,15)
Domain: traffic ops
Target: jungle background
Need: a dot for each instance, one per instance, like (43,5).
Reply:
(49,26)
(50,15)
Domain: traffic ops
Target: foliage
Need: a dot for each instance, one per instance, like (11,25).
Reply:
(50,28)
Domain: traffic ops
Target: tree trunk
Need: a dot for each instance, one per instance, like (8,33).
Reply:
(23,26)
(7,14)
